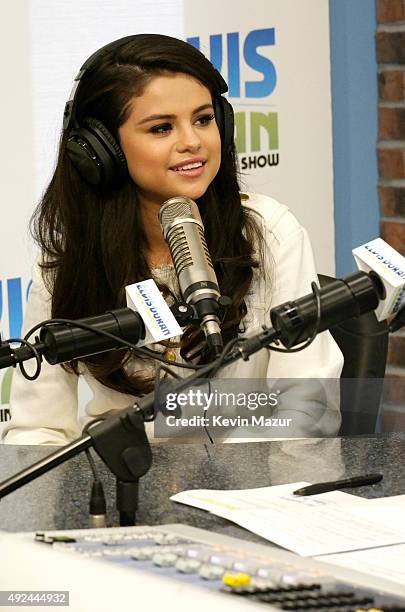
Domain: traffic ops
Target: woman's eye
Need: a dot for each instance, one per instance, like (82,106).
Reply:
(165,128)
(161,129)
(206,119)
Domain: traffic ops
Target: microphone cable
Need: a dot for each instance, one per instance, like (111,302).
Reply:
(97,504)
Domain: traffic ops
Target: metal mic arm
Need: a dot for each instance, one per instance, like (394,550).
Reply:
(120,441)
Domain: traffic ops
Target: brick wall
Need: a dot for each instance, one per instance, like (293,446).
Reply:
(390,48)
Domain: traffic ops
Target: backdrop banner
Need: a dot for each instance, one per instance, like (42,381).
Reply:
(49,41)
(275,57)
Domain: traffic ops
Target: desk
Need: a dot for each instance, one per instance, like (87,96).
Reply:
(59,499)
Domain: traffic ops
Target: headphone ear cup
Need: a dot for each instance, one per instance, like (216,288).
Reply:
(96,155)
(226,122)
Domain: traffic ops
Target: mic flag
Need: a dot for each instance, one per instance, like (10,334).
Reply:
(380,258)
(146,299)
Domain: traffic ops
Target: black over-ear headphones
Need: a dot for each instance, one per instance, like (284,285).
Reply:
(94,151)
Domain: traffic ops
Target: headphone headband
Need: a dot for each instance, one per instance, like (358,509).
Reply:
(68,114)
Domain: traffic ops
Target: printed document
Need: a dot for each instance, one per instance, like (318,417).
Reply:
(313,525)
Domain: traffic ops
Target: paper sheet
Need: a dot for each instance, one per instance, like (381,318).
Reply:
(386,510)
(387,562)
(310,526)
(397,501)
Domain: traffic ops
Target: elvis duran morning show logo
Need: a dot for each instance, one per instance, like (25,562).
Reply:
(12,300)
(256,131)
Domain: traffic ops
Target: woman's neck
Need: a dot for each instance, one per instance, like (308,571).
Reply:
(157,251)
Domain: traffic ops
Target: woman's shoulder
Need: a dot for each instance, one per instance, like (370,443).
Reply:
(273,216)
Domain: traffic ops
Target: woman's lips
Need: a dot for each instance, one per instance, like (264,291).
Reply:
(194,172)
(191,172)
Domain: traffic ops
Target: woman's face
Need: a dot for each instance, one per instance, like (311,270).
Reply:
(171,140)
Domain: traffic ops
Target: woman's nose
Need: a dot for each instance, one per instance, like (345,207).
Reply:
(188,140)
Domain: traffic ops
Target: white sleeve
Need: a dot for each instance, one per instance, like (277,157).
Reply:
(43,411)
(313,401)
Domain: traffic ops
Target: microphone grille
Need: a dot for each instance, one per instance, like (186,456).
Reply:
(176,208)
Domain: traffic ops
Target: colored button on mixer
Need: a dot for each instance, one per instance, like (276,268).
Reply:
(236,580)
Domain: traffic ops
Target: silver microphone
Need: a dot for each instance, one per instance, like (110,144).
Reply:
(183,230)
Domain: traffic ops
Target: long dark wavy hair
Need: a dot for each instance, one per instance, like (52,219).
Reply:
(93,242)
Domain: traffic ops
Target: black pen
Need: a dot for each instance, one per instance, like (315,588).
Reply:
(333,485)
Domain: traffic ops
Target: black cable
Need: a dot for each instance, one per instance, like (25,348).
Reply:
(37,356)
(157,383)
(207,431)
(92,464)
(165,369)
(98,505)
(227,349)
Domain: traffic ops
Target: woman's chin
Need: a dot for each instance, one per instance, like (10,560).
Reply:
(193,194)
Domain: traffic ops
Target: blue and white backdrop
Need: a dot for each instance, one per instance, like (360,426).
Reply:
(274,54)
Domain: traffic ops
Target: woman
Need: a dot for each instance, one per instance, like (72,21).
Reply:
(147,122)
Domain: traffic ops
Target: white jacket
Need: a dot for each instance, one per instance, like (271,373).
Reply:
(46,411)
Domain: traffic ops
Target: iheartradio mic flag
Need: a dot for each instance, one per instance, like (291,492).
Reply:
(160,323)
(379,257)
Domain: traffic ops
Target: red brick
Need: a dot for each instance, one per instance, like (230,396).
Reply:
(392,123)
(390,47)
(391,85)
(390,10)
(391,163)
(396,350)
(394,388)
(393,420)
(392,201)
(393,232)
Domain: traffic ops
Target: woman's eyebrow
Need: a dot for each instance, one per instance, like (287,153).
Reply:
(155,117)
